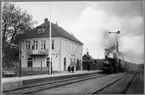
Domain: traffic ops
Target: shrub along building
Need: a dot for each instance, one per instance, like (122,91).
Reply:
(66,49)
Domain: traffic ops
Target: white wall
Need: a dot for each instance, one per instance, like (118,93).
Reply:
(68,52)
(56,62)
(58,53)
(38,59)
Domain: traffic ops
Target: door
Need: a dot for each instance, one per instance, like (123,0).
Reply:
(47,64)
(64,63)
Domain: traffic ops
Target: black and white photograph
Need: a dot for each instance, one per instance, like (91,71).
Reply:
(72,47)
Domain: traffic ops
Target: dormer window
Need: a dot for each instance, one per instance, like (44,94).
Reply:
(40,30)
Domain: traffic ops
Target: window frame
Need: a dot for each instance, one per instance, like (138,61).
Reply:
(44,42)
(41,44)
(29,44)
(36,44)
(48,61)
(52,44)
(28,62)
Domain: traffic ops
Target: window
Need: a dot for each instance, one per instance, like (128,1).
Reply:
(48,61)
(52,44)
(26,44)
(36,44)
(40,30)
(43,44)
(29,64)
(43,30)
(64,63)
(33,46)
(29,44)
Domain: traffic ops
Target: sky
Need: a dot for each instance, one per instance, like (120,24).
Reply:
(90,23)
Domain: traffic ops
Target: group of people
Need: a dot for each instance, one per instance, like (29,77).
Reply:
(70,69)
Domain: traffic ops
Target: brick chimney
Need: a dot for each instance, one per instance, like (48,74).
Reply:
(87,53)
(46,20)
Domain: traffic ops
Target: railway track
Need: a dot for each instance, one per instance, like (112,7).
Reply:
(118,86)
(52,84)
(83,87)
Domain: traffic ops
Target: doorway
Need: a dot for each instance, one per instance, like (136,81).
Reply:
(64,63)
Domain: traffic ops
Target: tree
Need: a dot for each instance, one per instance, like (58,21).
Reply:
(15,23)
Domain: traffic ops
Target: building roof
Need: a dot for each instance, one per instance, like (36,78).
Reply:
(88,56)
(56,32)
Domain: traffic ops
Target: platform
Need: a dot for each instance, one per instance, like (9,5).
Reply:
(15,82)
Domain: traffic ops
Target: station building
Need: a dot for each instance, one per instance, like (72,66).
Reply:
(34,48)
(90,63)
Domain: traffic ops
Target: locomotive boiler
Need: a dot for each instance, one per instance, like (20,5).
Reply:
(111,64)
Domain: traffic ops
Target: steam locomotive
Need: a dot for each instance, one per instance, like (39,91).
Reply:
(111,64)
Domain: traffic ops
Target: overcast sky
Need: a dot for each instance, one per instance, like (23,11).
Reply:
(90,22)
